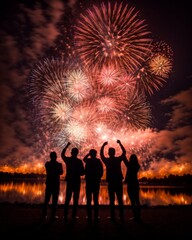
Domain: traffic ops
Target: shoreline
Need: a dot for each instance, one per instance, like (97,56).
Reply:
(25,204)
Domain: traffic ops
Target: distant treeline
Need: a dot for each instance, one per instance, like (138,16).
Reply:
(184,180)
(21,176)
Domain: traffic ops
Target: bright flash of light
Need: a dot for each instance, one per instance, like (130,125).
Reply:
(76,131)
(78,85)
(109,76)
(61,111)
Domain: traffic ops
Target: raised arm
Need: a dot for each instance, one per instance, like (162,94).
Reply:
(122,148)
(64,151)
(103,158)
(123,155)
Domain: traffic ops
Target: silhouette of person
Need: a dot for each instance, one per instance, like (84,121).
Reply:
(114,178)
(74,171)
(53,171)
(93,174)
(132,181)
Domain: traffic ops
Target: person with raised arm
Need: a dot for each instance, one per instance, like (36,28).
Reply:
(74,171)
(114,177)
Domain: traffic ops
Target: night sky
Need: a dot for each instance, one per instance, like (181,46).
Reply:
(31,30)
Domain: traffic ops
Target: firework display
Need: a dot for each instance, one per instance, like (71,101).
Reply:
(112,33)
(103,95)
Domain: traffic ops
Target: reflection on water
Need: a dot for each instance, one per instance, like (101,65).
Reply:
(33,192)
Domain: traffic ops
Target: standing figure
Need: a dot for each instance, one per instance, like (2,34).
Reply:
(114,178)
(93,174)
(53,171)
(132,181)
(74,171)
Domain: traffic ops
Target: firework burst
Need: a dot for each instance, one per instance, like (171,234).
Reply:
(61,111)
(77,132)
(112,34)
(153,73)
(78,86)
(109,76)
(161,60)
(137,113)
(160,65)
(47,79)
(101,93)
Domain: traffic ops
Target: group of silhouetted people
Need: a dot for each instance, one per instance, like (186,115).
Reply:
(92,169)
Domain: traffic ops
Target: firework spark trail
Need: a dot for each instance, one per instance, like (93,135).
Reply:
(137,113)
(147,82)
(126,83)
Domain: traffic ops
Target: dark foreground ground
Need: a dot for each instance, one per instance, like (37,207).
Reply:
(20,221)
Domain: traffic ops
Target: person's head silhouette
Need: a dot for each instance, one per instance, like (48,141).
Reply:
(74,152)
(93,152)
(111,152)
(53,156)
(133,159)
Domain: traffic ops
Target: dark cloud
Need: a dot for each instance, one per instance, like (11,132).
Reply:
(26,33)
(182,108)
(172,146)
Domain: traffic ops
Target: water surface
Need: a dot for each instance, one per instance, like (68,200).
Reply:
(33,192)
